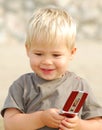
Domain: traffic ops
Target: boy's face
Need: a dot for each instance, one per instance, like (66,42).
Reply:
(51,62)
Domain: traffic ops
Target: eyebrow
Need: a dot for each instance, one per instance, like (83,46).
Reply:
(40,50)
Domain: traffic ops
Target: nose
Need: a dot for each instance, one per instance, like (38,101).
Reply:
(47,61)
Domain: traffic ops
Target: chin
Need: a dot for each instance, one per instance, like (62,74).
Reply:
(48,78)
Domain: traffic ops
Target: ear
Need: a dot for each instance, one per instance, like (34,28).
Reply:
(73,51)
(27,50)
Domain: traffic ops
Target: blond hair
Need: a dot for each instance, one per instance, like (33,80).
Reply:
(50,25)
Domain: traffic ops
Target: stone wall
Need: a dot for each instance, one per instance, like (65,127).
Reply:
(15,13)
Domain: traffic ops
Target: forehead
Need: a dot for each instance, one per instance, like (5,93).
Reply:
(49,43)
(50,49)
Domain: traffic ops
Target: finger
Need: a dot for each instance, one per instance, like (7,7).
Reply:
(63,127)
(71,120)
(55,123)
(67,124)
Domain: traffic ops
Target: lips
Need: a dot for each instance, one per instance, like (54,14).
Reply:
(47,71)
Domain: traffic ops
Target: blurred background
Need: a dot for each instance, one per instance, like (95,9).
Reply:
(87,63)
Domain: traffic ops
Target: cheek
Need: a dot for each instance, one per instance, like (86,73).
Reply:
(33,63)
(62,64)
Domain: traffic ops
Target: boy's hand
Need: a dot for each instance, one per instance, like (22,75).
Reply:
(70,123)
(51,118)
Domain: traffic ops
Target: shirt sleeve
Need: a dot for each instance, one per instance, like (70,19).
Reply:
(92,108)
(14,98)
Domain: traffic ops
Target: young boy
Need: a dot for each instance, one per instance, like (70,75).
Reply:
(35,99)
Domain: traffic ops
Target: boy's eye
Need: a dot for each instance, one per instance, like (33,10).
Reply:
(38,54)
(56,55)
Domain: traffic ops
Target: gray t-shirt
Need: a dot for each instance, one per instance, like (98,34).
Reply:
(31,93)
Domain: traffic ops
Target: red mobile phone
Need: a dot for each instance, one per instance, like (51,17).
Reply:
(74,103)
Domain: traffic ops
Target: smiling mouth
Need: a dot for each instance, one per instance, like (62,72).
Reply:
(47,71)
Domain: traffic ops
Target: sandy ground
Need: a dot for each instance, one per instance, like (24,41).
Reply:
(87,63)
